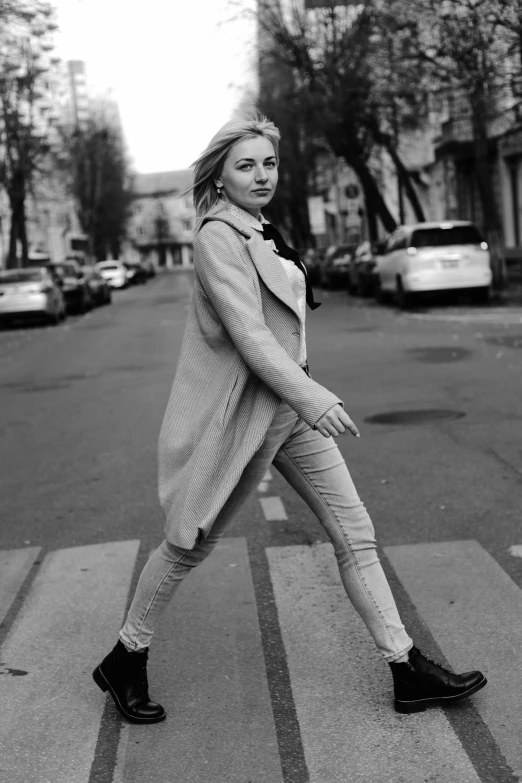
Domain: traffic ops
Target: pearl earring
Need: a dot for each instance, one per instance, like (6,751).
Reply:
(218,188)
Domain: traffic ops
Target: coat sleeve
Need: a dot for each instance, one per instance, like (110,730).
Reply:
(227,274)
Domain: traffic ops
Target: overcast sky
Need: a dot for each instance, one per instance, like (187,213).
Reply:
(178,69)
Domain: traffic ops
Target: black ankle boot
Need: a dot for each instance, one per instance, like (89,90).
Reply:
(124,675)
(422,683)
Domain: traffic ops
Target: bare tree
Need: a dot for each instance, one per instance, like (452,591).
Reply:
(99,177)
(342,60)
(24,123)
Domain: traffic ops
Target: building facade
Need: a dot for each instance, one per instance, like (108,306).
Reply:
(163,218)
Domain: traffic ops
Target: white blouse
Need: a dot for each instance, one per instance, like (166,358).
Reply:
(294,274)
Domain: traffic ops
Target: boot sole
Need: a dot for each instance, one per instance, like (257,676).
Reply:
(406,707)
(104,685)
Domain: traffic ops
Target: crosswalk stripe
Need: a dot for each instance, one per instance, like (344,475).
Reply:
(51,709)
(15,564)
(273,509)
(343,692)
(207,668)
(474,610)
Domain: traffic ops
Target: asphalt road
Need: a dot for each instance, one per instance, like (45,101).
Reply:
(265,670)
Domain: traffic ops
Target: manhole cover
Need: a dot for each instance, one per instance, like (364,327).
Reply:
(506,340)
(414,417)
(440,354)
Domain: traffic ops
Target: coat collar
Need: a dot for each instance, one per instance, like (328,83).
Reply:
(268,265)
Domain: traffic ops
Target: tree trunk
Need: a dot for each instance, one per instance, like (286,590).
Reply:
(12,259)
(22,233)
(491,217)
(18,230)
(374,201)
(405,177)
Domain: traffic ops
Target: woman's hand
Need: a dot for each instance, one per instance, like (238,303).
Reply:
(335,421)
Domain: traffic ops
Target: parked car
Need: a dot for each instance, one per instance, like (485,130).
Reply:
(435,257)
(312,259)
(136,272)
(30,292)
(335,266)
(362,272)
(99,288)
(149,267)
(69,277)
(114,272)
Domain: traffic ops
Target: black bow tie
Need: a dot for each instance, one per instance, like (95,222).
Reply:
(270,232)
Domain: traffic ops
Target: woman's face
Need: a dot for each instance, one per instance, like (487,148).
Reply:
(249,176)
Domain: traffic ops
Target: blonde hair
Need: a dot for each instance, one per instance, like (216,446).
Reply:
(209,165)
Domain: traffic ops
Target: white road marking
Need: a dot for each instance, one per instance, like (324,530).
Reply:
(343,691)
(516,550)
(208,670)
(15,564)
(118,774)
(474,610)
(273,509)
(51,708)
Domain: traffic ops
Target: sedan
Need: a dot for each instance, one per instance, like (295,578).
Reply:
(363,269)
(114,273)
(30,292)
(136,272)
(68,275)
(99,288)
(335,269)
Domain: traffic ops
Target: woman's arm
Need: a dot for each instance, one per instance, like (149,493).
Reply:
(226,276)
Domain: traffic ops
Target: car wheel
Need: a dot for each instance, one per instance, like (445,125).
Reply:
(381,296)
(482,295)
(403,298)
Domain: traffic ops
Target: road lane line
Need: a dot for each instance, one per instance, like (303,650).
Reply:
(343,690)
(273,509)
(207,668)
(474,610)
(118,775)
(51,711)
(15,564)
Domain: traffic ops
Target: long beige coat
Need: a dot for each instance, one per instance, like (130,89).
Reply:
(237,361)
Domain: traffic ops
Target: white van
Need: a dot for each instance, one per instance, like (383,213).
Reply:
(435,257)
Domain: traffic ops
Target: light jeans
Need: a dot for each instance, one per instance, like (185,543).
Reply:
(315,468)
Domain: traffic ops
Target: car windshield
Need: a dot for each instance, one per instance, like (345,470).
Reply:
(438,237)
(21,276)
